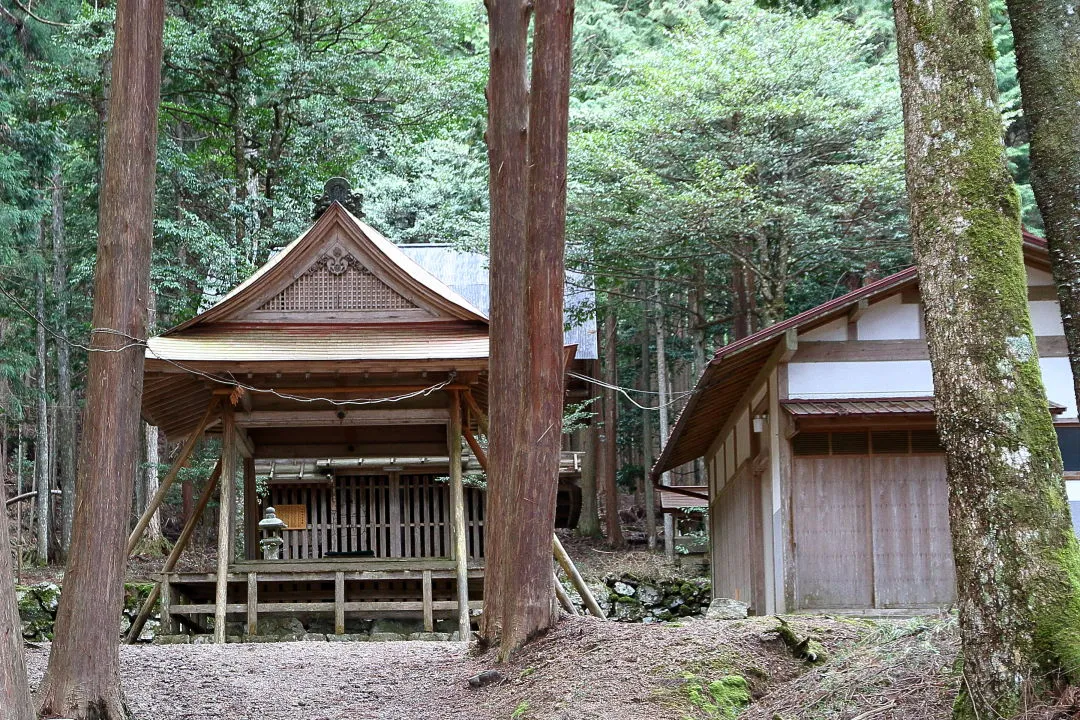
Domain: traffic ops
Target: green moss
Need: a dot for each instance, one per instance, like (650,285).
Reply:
(723,698)
(1057,625)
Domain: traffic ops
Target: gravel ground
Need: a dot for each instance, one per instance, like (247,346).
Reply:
(583,669)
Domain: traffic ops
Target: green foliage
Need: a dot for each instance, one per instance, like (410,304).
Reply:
(577,416)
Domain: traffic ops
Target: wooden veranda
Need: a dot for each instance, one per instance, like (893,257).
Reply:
(344,357)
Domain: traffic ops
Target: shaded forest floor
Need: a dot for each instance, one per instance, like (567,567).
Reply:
(582,670)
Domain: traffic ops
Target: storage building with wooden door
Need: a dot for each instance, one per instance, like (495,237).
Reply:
(346,380)
(827,488)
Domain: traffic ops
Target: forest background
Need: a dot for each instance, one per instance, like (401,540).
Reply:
(731,164)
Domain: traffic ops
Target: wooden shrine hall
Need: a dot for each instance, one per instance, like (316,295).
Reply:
(348,386)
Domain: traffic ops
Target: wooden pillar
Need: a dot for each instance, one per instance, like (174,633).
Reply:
(251,511)
(429,620)
(339,603)
(225,516)
(168,627)
(457,504)
(252,603)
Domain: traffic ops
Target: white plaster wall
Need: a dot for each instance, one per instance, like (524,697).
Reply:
(1072,487)
(890,319)
(1046,317)
(893,378)
(835,330)
(1057,378)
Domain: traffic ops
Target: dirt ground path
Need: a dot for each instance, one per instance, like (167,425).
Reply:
(584,669)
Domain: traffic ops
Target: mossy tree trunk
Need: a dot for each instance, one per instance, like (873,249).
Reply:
(1047,40)
(1016,556)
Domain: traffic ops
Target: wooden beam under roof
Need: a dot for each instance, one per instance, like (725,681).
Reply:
(335,450)
(342,417)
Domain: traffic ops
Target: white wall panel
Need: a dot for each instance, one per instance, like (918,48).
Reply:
(890,320)
(836,330)
(1046,317)
(1057,377)
(893,378)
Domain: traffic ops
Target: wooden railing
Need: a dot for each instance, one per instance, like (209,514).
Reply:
(340,572)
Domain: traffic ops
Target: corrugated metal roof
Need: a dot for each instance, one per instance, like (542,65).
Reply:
(467,274)
(270,342)
(674,499)
(859,406)
(835,407)
(734,366)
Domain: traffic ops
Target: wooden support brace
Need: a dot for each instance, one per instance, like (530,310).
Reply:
(477,414)
(174,557)
(339,603)
(474,445)
(564,597)
(170,477)
(252,603)
(575,577)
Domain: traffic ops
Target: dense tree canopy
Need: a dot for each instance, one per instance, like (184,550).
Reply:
(731,163)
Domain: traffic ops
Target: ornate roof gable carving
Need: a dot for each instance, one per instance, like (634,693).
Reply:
(337,280)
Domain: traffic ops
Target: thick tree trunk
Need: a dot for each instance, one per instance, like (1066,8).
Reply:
(648,453)
(15,702)
(43,501)
(527,277)
(662,401)
(1047,40)
(589,517)
(1017,564)
(608,466)
(83,677)
(508,120)
(65,414)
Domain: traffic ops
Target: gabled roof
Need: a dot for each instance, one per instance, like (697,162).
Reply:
(734,366)
(341,242)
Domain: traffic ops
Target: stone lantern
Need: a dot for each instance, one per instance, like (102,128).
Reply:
(271,544)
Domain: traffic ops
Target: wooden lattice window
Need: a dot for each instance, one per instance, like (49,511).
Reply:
(876,442)
(337,281)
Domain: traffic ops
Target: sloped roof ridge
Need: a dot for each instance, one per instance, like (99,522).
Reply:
(864,293)
(337,213)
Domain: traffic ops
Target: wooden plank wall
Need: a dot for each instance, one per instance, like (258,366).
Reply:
(734,560)
(872,531)
(393,516)
(832,539)
(912,543)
